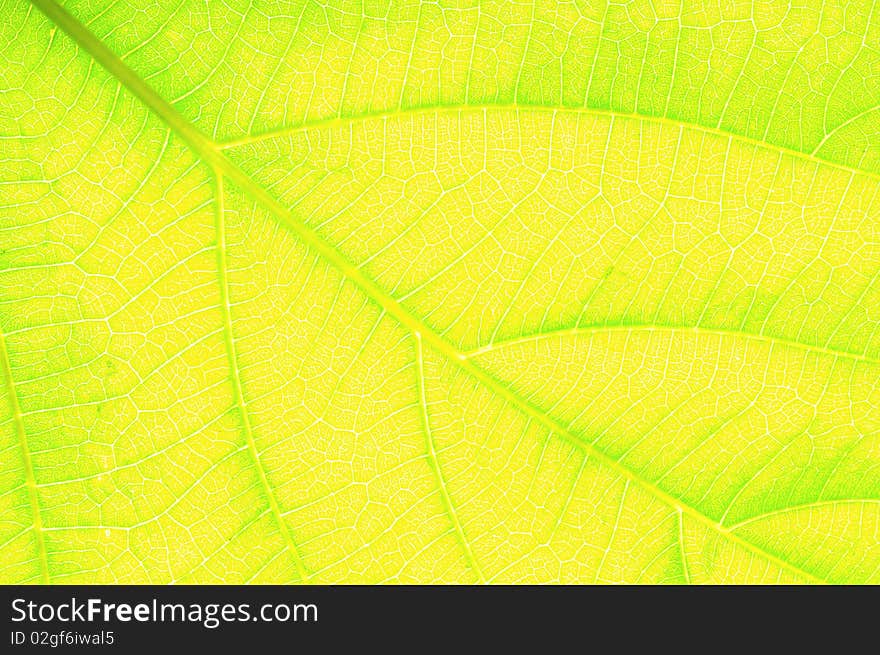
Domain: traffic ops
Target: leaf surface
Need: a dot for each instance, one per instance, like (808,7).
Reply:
(439,292)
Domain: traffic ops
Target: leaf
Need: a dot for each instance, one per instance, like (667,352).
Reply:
(439,292)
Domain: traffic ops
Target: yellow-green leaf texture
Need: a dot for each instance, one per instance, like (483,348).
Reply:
(400,291)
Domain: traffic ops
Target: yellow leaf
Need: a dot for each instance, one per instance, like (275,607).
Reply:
(439,292)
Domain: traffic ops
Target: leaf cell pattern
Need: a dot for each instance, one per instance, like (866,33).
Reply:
(464,292)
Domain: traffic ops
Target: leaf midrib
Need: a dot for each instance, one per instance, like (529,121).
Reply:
(213,156)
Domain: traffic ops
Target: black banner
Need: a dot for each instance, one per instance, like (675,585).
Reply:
(260,618)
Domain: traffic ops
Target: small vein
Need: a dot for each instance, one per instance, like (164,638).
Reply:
(435,465)
(843,125)
(613,532)
(30,480)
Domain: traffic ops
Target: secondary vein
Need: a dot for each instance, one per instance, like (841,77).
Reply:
(715,332)
(30,480)
(337,121)
(238,390)
(435,465)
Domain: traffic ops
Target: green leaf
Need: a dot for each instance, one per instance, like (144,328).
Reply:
(439,292)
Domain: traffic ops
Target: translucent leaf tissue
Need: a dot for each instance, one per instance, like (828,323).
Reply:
(439,292)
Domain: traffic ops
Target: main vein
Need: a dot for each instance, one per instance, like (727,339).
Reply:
(30,480)
(212,155)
